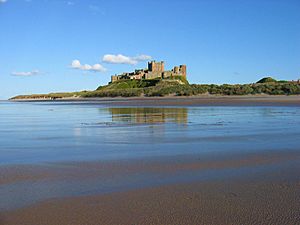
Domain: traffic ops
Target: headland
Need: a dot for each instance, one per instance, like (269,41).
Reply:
(155,81)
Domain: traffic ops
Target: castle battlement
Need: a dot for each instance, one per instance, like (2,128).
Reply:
(155,70)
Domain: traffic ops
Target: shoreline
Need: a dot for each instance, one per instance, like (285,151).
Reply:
(204,100)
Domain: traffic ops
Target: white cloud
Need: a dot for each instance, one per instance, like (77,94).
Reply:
(76,64)
(94,68)
(118,59)
(3,1)
(142,58)
(122,59)
(26,74)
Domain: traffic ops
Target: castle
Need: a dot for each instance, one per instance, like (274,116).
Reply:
(155,70)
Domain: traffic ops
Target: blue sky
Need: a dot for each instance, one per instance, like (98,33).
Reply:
(230,41)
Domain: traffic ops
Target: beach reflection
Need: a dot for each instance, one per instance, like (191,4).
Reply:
(149,115)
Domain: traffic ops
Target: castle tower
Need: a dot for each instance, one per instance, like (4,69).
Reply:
(150,66)
(157,67)
(162,65)
(114,78)
(183,70)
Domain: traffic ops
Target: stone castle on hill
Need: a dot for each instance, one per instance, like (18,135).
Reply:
(155,70)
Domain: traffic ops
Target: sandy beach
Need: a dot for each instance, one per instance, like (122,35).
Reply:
(102,161)
(252,197)
(236,202)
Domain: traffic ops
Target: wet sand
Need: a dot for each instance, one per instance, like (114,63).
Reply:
(164,165)
(203,100)
(254,197)
(235,202)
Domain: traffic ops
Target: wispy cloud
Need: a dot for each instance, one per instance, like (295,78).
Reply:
(122,59)
(95,9)
(26,74)
(3,1)
(76,64)
(70,3)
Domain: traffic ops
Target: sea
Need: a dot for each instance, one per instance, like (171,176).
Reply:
(39,132)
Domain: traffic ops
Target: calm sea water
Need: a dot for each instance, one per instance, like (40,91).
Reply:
(53,132)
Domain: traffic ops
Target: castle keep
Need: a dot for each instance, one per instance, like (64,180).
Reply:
(155,70)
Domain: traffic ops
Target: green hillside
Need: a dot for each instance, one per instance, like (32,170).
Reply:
(128,84)
(266,80)
(176,87)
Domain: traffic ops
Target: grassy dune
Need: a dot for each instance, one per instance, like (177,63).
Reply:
(176,87)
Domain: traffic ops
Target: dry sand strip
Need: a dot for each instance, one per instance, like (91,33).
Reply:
(211,101)
(227,202)
(202,100)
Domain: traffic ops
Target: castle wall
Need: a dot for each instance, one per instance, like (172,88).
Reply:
(153,75)
(155,70)
(136,77)
(167,74)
